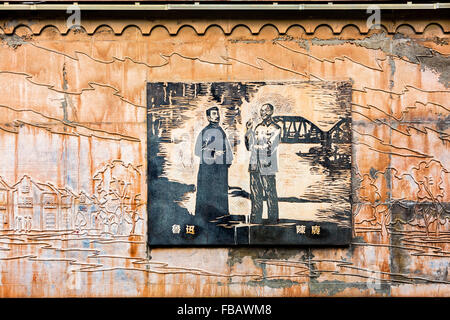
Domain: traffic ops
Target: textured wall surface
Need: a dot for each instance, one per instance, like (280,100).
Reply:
(73,142)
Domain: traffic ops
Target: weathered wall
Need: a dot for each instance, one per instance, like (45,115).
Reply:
(73,126)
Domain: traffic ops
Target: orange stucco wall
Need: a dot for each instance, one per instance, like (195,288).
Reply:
(73,115)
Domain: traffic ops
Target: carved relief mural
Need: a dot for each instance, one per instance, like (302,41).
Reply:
(73,171)
(242,163)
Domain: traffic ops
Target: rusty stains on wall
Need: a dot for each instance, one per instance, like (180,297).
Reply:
(73,138)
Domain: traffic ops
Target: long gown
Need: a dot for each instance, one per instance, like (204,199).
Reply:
(213,148)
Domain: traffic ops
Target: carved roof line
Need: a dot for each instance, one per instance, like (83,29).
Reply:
(309,27)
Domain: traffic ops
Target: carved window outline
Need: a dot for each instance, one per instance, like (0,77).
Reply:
(26,202)
(66,202)
(49,201)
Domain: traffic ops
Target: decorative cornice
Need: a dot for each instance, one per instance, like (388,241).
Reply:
(309,27)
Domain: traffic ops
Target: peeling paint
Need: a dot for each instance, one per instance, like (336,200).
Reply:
(273,283)
(333,288)
(14,41)
(399,45)
(440,64)
(402,46)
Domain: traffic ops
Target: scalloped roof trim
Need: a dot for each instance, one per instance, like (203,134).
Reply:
(227,27)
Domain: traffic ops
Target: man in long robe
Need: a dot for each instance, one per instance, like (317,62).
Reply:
(214,151)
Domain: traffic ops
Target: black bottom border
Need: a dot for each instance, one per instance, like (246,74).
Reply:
(227,308)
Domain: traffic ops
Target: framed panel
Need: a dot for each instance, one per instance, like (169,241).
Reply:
(249,163)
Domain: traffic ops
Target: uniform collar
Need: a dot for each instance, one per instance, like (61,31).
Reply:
(267,123)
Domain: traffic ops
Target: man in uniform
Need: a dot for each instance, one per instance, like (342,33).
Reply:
(213,148)
(262,142)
